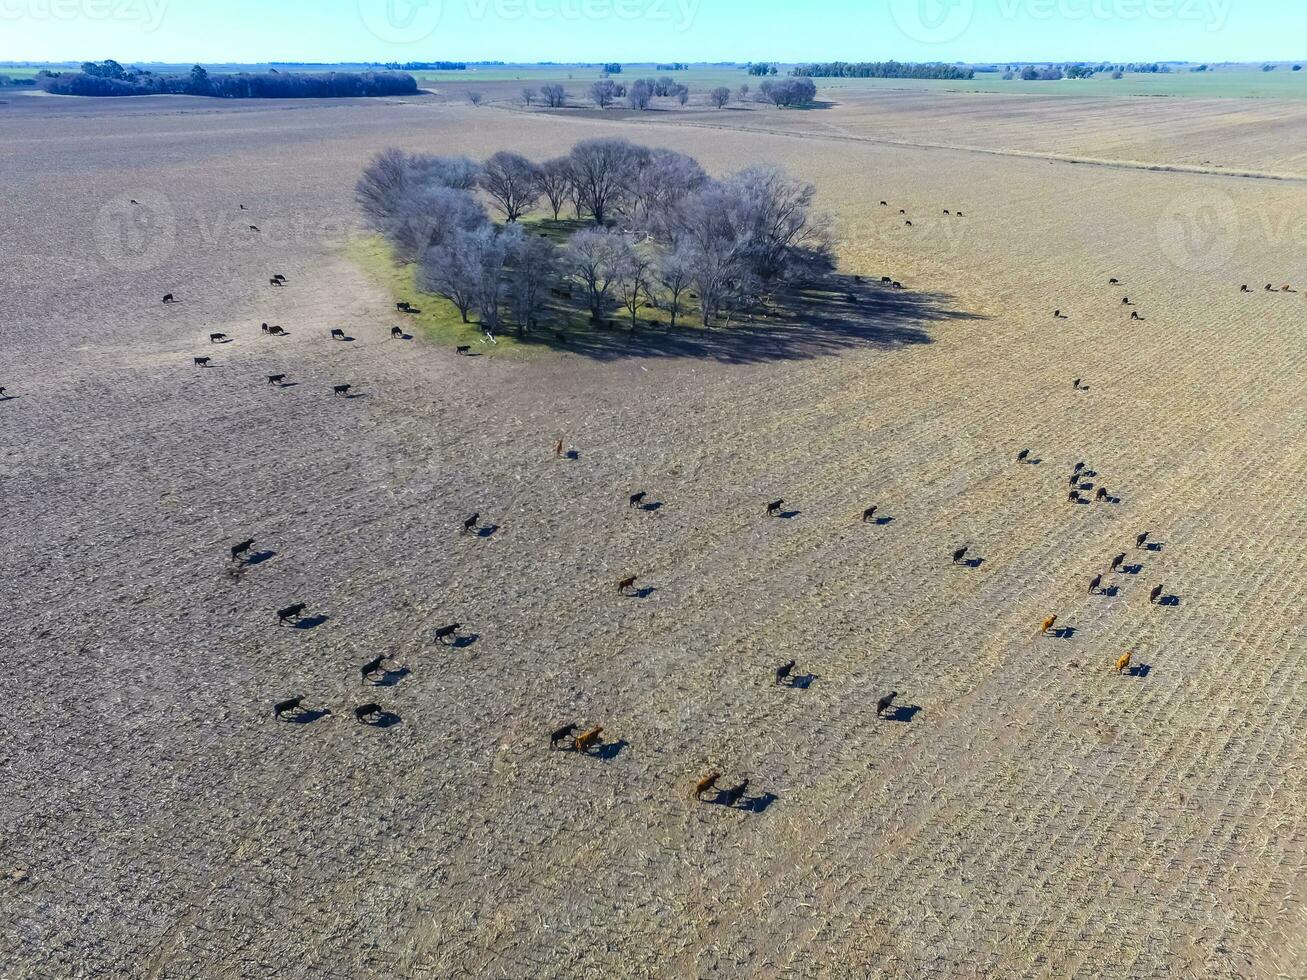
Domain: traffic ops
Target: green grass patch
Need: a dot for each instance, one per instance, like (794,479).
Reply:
(440,322)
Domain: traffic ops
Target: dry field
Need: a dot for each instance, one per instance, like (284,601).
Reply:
(1030,813)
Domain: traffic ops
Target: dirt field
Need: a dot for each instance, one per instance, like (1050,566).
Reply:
(1027,813)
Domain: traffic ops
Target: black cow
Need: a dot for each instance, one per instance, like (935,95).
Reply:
(885,702)
(365,711)
(783,671)
(558,734)
(445,632)
(295,704)
(290,612)
(239,549)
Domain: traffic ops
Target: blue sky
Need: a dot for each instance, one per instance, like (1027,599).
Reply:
(643,30)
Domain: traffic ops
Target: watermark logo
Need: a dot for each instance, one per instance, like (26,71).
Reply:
(136,234)
(679,13)
(1199,230)
(400,21)
(933,21)
(1212,14)
(148,13)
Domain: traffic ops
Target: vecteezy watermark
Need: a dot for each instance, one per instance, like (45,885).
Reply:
(679,13)
(933,21)
(942,21)
(1198,231)
(136,234)
(139,233)
(1212,14)
(400,21)
(148,13)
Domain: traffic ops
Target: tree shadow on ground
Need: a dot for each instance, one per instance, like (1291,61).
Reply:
(818,320)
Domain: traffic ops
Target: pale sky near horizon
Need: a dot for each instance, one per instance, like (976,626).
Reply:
(648,30)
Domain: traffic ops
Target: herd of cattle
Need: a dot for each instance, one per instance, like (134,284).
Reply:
(570,737)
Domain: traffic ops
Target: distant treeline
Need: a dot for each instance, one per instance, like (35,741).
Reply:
(426,66)
(10,81)
(109,78)
(881,69)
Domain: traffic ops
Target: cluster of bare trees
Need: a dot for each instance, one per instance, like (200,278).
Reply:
(660,231)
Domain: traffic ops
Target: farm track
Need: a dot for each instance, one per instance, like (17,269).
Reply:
(1037,816)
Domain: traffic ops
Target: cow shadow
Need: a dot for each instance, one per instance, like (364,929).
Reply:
(382,719)
(9,398)
(802,682)
(1081,502)
(307,717)
(350,396)
(312,622)
(882,521)
(902,712)
(1154,546)
(258,558)
(1134,569)
(391,677)
(971,562)
(1140,670)
(1169,600)
(652,506)
(757,804)
(609,750)
(286,384)
(643,593)
(463,642)
(1111,591)
(572,454)
(1063,632)
(485,530)
(789,515)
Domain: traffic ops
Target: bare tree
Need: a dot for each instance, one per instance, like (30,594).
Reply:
(682,94)
(601,170)
(448,270)
(528,96)
(640,94)
(604,92)
(744,93)
(775,213)
(555,96)
(594,258)
(665,86)
(674,271)
(662,179)
(487,251)
(633,280)
(720,96)
(426,217)
(459,173)
(513,183)
(534,267)
(555,182)
(383,182)
(474,97)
